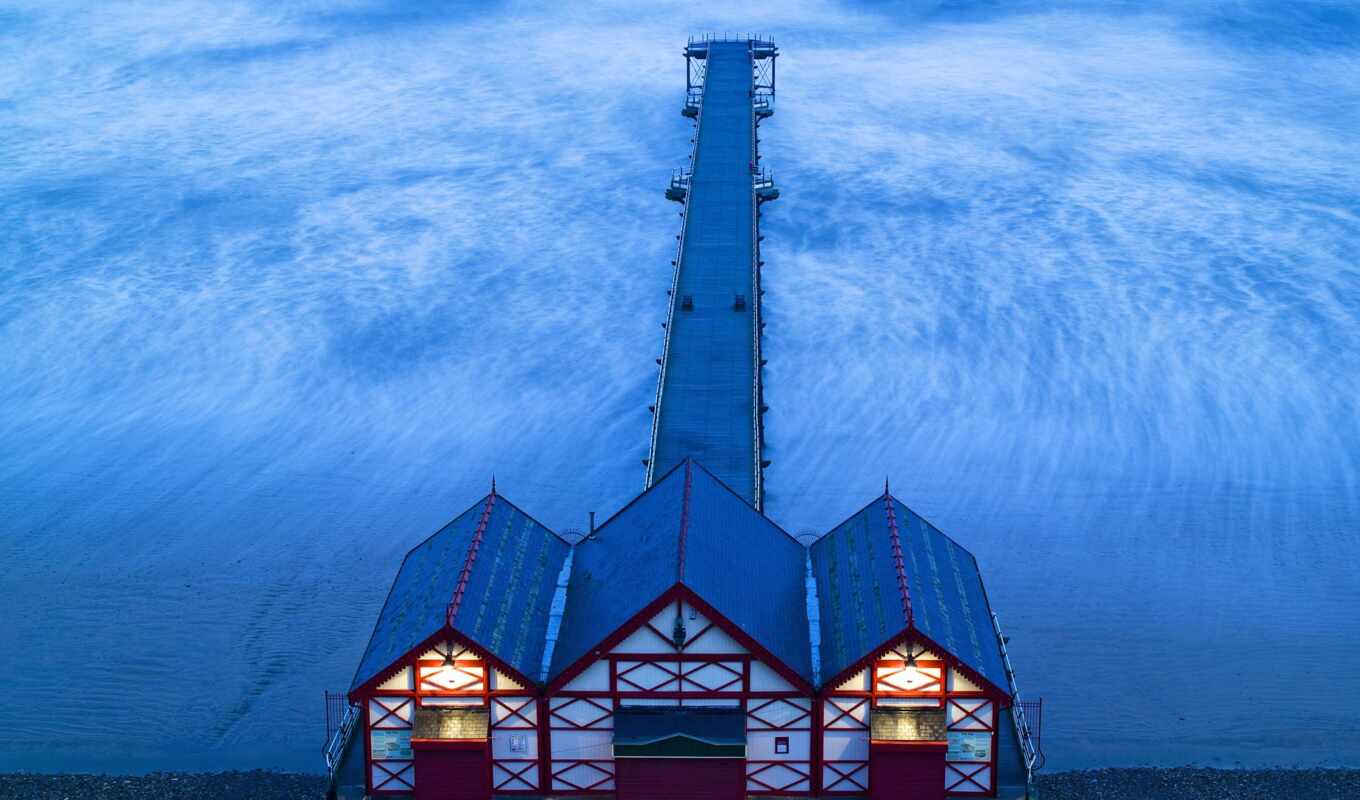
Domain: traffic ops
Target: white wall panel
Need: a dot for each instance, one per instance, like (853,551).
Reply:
(514,743)
(514,712)
(390,712)
(721,702)
(594,678)
(400,682)
(641,676)
(765,713)
(760,745)
(845,745)
(859,682)
(645,640)
(582,744)
(958,682)
(955,780)
(499,680)
(969,714)
(765,679)
(464,700)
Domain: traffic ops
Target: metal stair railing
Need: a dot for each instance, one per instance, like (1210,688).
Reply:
(340,726)
(1029,746)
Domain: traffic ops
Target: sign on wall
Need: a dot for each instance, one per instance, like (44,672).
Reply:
(395,745)
(969,746)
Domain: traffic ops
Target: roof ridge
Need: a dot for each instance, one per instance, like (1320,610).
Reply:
(898,564)
(473,547)
(646,491)
(758,511)
(927,523)
(507,501)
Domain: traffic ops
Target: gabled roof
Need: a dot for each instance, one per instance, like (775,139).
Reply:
(860,591)
(506,564)
(688,528)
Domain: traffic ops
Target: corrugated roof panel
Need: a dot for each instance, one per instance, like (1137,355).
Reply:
(948,602)
(505,603)
(419,597)
(861,606)
(737,560)
(749,569)
(509,593)
(861,603)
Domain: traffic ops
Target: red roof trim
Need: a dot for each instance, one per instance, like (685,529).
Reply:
(473,547)
(446,633)
(678,592)
(1000,695)
(745,640)
(684,520)
(607,643)
(888,507)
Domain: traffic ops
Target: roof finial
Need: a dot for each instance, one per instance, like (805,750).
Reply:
(493,483)
(886,492)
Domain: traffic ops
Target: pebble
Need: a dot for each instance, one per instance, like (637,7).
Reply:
(1180,783)
(1198,783)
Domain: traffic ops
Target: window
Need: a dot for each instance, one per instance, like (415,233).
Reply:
(781,744)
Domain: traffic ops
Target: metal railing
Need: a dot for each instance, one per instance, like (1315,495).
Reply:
(762,180)
(693,99)
(342,716)
(757,390)
(679,185)
(675,286)
(1034,721)
(1029,740)
(755,38)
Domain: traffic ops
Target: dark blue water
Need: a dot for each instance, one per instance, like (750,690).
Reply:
(282,287)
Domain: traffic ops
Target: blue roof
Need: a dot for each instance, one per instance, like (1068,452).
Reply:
(861,605)
(708,393)
(748,568)
(505,604)
(636,556)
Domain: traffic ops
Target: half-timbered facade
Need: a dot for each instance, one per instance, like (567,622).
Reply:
(733,653)
(688,646)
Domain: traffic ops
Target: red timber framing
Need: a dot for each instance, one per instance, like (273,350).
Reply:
(471,677)
(972,707)
(717,663)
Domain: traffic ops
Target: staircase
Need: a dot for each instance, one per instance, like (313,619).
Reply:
(1027,734)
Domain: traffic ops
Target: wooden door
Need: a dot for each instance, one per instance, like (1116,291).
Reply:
(680,778)
(906,771)
(452,770)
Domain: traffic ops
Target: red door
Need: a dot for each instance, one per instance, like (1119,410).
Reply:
(681,778)
(452,770)
(903,771)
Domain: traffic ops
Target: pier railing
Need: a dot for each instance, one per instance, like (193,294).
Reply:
(675,278)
